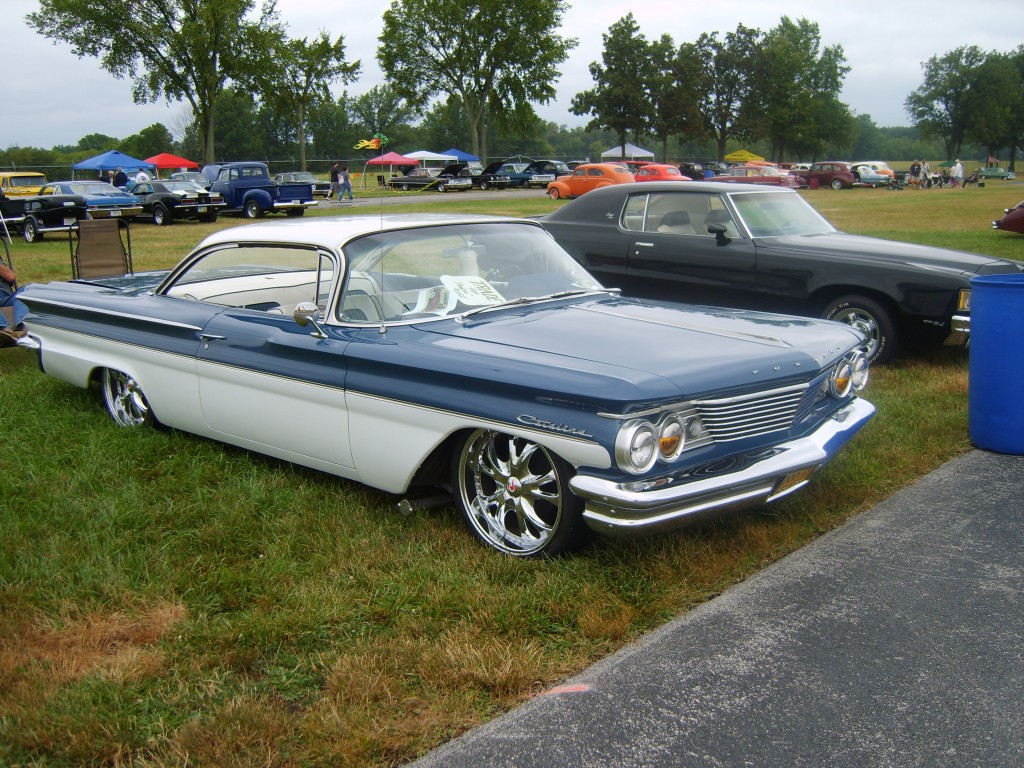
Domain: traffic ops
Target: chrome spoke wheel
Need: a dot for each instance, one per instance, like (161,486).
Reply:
(514,495)
(124,399)
(872,319)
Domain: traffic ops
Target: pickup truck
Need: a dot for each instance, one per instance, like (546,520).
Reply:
(248,189)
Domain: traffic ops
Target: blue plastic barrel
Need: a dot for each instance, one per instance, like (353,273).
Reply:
(995,405)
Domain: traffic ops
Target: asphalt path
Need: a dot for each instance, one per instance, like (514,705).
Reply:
(896,640)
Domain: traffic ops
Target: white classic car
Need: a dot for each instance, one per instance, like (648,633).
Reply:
(470,353)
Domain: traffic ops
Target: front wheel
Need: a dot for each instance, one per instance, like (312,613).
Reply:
(553,193)
(514,495)
(870,318)
(253,210)
(125,401)
(161,215)
(484,185)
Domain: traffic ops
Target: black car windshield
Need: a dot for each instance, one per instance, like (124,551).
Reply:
(432,272)
(775,215)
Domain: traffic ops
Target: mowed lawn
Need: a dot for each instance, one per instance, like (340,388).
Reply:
(169,601)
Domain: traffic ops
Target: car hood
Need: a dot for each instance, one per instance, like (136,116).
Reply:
(851,247)
(664,350)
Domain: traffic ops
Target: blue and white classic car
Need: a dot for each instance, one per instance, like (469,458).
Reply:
(470,353)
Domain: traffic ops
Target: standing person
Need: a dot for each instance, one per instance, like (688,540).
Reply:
(926,174)
(110,178)
(120,178)
(915,174)
(956,174)
(335,178)
(8,298)
(346,184)
(141,177)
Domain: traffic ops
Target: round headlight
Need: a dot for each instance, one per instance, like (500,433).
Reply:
(842,379)
(671,438)
(861,372)
(636,447)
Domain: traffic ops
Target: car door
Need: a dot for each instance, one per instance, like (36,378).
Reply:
(675,263)
(265,382)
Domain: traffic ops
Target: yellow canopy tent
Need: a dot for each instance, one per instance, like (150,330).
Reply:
(742,156)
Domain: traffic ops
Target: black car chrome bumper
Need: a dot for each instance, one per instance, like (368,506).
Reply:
(640,507)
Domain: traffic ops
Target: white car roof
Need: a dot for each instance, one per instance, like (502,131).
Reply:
(333,231)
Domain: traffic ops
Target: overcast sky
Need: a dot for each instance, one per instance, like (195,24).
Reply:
(50,97)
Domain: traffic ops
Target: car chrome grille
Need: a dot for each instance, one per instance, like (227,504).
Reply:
(758,413)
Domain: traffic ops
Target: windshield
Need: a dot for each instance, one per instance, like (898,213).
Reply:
(431,272)
(777,215)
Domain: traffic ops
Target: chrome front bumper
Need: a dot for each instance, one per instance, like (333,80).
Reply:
(635,508)
(960,330)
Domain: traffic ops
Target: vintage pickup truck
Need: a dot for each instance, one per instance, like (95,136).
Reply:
(248,189)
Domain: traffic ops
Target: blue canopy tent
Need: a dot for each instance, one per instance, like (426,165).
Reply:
(111,161)
(463,157)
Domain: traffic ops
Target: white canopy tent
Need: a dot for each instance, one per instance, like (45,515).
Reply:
(426,156)
(632,151)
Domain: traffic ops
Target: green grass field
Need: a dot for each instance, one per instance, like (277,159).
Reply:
(169,601)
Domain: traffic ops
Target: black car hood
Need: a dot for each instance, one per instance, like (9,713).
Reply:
(493,167)
(848,246)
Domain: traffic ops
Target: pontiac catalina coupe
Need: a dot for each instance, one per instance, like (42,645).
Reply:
(766,248)
(470,353)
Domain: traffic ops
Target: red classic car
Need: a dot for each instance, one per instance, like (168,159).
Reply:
(761,174)
(831,173)
(1013,221)
(659,172)
(587,177)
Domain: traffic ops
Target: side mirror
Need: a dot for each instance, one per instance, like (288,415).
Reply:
(307,313)
(719,231)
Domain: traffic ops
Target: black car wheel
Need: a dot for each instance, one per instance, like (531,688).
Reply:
(30,230)
(442,187)
(404,187)
(872,319)
(161,215)
(208,218)
(253,210)
(124,399)
(292,213)
(484,185)
(514,495)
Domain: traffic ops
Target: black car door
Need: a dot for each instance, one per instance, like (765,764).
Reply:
(673,255)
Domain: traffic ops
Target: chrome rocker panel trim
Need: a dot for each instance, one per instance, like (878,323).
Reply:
(624,509)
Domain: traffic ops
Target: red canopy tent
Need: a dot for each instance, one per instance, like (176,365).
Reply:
(390,159)
(167,160)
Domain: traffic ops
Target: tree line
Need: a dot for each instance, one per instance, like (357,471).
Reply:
(253,92)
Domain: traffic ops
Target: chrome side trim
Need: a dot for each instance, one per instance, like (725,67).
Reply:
(112,313)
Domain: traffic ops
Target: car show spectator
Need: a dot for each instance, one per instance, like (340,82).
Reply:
(346,184)
(956,174)
(141,176)
(8,298)
(120,178)
(335,177)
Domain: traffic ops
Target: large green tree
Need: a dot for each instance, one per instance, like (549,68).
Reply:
(296,75)
(942,105)
(176,49)
(724,71)
(496,57)
(794,101)
(619,100)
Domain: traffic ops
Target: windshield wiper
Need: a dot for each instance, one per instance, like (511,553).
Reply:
(530,299)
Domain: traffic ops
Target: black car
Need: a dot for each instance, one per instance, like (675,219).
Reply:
(539,173)
(168,201)
(444,179)
(35,216)
(767,248)
(487,178)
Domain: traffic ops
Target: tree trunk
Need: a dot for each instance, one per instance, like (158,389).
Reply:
(302,137)
(209,153)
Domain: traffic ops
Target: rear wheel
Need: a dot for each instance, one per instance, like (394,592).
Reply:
(837,184)
(125,401)
(30,230)
(514,495)
(294,212)
(872,319)
(253,210)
